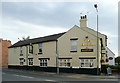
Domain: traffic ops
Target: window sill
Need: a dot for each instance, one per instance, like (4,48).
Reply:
(30,65)
(42,66)
(21,54)
(30,53)
(64,67)
(40,53)
(87,67)
(73,51)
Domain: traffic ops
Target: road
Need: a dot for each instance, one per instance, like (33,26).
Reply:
(19,75)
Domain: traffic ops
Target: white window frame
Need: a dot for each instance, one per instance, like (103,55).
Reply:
(40,47)
(64,61)
(43,62)
(73,47)
(30,60)
(87,62)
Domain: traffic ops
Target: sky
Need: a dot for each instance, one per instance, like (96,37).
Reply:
(42,18)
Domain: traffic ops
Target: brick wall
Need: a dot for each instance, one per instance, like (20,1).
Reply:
(4,51)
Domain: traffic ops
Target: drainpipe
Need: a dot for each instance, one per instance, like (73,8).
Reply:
(26,55)
(57,56)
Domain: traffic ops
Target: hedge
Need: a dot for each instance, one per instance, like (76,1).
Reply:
(104,67)
(113,66)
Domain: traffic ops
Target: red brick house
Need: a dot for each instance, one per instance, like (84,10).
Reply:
(4,44)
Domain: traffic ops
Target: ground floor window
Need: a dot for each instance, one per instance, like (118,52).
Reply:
(86,63)
(43,62)
(64,62)
(30,62)
(21,61)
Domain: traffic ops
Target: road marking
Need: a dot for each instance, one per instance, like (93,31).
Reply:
(49,80)
(17,75)
(27,77)
(24,76)
(30,77)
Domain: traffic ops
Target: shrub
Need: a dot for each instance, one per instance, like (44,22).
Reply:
(104,67)
(113,66)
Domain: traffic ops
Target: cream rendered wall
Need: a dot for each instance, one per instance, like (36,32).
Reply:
(48,48)
(14,56)
(95,33)
(100,36)
(64,46)
(48,51)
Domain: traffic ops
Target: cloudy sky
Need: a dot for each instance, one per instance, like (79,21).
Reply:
(38,18)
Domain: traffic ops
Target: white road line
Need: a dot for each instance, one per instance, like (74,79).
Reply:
(30,77)
(27,77)
(49,80)
(24,76)
(17,75)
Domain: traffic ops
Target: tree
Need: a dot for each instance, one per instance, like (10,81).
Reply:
(23,38)
(117,60)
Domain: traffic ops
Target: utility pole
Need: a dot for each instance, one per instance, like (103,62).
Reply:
(95,5)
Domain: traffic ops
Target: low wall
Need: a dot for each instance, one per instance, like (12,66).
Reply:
(92,71)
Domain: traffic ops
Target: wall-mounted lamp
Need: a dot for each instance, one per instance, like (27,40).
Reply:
(86,37)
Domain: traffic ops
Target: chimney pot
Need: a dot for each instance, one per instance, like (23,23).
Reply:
(85,16)
(83,21)
(81,17)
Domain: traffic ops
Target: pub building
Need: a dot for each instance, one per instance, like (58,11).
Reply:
(74,51)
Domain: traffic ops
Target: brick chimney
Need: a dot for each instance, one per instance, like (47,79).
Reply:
(83,21)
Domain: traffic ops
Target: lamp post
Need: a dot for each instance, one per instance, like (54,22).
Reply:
(95,5)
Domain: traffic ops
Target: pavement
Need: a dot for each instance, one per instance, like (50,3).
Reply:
(68,75)
(25,76)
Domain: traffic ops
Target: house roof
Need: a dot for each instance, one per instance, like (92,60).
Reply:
(53,37)
(110,50)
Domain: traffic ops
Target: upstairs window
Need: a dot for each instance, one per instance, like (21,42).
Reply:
(30,49)
(21,50)
(73,45)
(40,48)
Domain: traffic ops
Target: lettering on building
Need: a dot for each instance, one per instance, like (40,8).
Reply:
(86,50)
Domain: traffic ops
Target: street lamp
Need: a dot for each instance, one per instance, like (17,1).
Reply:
(95,5)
